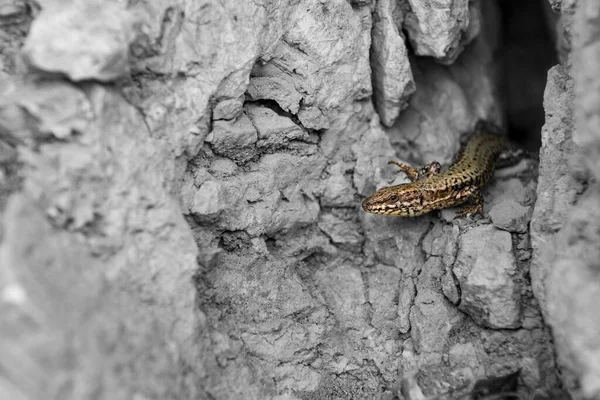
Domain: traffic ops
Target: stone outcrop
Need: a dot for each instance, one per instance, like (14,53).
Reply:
(566,217)
(180,206)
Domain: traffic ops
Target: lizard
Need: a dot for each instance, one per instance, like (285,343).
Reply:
(430,189)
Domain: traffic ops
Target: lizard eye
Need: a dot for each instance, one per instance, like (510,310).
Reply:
(393,198)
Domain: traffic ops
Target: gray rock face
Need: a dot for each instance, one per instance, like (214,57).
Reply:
(441,29)
(432,313)
(193,228)
(393,82)
(565,220)
(510,216)
(557,188)
(473,266)
(486,271)
(309,77)
(431,124)
(235,139)
(87,41)
(406,297)
(96,208)
(274,131)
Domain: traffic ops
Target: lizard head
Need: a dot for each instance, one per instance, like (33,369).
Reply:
(404,200)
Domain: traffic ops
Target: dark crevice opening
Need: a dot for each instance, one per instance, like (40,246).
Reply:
(527,54)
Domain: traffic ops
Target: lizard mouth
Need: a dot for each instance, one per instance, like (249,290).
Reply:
(370,206)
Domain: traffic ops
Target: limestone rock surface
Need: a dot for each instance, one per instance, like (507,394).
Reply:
(441,29)
(565,220)
(180,212)
(393,82)
(89,40)
(486,271)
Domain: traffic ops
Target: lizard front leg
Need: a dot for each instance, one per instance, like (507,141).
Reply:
(473,195)
(433,168)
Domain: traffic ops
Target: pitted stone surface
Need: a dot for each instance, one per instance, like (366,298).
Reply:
(486,271)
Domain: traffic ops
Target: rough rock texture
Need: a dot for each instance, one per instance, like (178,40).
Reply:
(456,273)
(449,100)
(392,77)
(85,245)
(193,228)
(99,32)
(566,220)
(442,29)
(510,216)
(485,268)
(311,77)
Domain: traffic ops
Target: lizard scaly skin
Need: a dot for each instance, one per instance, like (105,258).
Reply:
(431,189)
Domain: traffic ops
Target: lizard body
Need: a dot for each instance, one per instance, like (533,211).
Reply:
(431,189)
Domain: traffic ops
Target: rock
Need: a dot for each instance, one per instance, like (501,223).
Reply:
(273,86)
(336,187)
(8,154)
(313,118)
(509,191)
(513,170)
(275,195)
(567,219)
(510,216)
(565,224)
(289,183)
(557,187)
(221,168)
(393,82)
(290,321)
(486,271)
(270,344)
(204,66)
(406,297)
(448,214)
(208,200)
(53,109)
(437,29)
(530,372)
(451,288)
(285,397)
(276,281)
(274,131)
(17,12)
(432,317)
(569,288)
(89,40)
(562,34)
(372,151)
(384,284)
(410,389)
(177,113)
(449,255)
(437,241)
(361,2)
(340,230)
(586,60)
(302,72)
(91,232)
(429,129)
(466,355)
(395,241)
(234,139)
(349,305)
(555,4)
(228,109)
(572,293)
(297,377)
